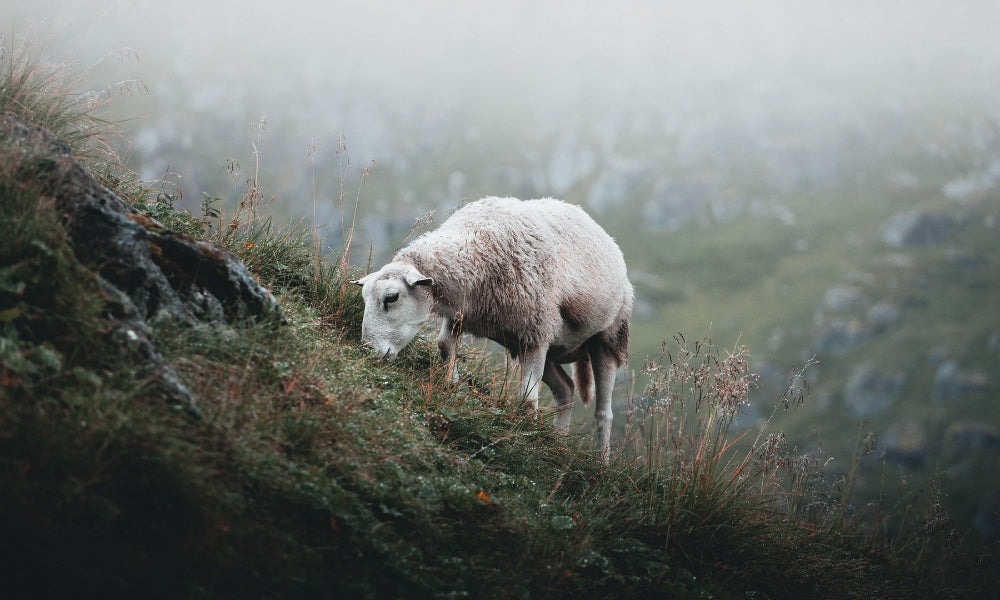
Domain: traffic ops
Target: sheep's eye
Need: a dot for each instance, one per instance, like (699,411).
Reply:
(389,299)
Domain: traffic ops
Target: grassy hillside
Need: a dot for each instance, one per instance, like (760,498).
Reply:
(315,471)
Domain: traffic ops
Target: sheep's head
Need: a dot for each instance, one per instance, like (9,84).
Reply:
(398,300)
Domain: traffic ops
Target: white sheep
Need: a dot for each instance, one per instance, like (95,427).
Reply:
(539,277)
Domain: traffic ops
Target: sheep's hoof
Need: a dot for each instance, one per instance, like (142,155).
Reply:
(531,410)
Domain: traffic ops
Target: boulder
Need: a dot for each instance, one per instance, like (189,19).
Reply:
(148,273)
(918,228)
(952,383)
(972,435)
(973,185)
(883,316)
(618,181)
(571,162)
(842,298)
(676,203)
(906,442)
(870,391)
(842,336)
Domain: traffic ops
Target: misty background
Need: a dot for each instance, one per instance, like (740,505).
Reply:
(551,92)
(812,179)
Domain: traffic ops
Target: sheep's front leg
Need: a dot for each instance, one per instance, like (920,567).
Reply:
(532,369)
(447,343)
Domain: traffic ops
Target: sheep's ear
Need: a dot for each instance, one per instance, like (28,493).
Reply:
(361,282)
(414,278)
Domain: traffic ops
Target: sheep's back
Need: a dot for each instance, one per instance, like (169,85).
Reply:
(520,268)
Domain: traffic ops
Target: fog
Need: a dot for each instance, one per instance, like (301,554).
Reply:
(419,87)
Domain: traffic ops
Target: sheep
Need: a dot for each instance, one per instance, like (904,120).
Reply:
(539,277)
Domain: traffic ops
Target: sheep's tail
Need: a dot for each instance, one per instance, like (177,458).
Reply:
(583,376)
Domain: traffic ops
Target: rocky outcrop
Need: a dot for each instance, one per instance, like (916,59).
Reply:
(149,274)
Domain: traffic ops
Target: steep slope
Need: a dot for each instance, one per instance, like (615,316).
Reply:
(314,471)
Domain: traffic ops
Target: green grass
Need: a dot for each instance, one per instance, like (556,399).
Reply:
(748,281)
(314,471)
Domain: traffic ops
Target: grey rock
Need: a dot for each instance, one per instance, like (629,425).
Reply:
(842,336)
(571,162)
(148,273)
(617,182)
(519,182)
(906,442)
(841,298)
(918,228)
(882,316)
(973,184)
(972,435)
(677,203)
(952,383)
(870,391)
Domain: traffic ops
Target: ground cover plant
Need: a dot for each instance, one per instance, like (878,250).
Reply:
(316,471)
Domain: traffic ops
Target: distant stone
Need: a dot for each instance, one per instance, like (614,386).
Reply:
(842,336)
(882,316)
(938,354)
(519,182)
(917,228)
(676,203)
(671,207)
(962,188)
(906,442)
(964,258)
(618,181)
(899,260)
(972,435)
(841,298)
(570,163)
(772,210)
(973,184)
(952,383)
(870,391)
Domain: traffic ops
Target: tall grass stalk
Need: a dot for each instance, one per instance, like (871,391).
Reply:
(311,151)
(347,231)
(46,94)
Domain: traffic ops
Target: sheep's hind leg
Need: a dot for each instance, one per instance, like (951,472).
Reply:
(562,391)
(605,368)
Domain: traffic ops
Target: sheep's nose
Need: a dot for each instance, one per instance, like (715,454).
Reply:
(379,354)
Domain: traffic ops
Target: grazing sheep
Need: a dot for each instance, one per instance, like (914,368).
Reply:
(539,277)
